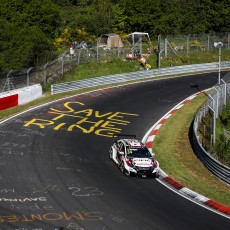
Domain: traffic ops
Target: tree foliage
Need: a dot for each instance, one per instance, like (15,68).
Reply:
(41,22)
(22,47)
(27,28)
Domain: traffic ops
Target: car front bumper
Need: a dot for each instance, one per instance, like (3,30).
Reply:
(144,172)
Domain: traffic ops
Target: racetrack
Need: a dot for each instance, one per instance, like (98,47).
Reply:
(56,173)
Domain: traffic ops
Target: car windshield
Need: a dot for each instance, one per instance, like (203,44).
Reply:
(138,152)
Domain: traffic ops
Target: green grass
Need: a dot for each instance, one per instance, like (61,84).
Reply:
(95,68)
(173,150)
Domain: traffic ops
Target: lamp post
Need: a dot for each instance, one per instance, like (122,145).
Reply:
(219,45)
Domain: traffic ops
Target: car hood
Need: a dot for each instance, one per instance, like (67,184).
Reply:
(142,162)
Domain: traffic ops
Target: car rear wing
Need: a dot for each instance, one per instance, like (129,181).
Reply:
(119,136)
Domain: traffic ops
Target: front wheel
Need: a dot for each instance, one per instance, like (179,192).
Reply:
(124,170)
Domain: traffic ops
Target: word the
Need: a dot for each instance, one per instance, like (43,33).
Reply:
(86,120)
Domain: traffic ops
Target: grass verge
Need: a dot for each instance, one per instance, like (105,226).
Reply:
(175,155)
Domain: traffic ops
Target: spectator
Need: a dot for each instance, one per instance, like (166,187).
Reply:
(130,56)
(71,50)
(143,62)
(138,53)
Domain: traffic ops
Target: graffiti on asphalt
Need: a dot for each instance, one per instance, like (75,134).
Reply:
(84,119)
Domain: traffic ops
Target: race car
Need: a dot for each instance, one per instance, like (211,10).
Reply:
(132,157)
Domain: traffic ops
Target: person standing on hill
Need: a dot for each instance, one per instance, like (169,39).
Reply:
(143,62)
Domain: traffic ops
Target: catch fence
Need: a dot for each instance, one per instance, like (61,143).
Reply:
(186,44)
(205,122)
(55,70)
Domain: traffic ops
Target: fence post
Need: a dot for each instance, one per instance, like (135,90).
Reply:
(45,74)
(159,52)
(225,91)
(166,46)
(208,41)
(8,82)
(97,49)
(62,65)
(213,124)
(188,44)
(213,100)
(28,76)
(79,56)
(217,101)
(118,52)
(52,90)
(228,41)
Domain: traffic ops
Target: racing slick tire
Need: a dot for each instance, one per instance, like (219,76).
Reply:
(124,170)
(111,153)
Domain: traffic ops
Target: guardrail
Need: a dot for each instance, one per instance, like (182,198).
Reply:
(214,166)
(216,100)
(119,78)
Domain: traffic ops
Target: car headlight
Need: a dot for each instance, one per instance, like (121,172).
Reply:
(129,162)
(133,170)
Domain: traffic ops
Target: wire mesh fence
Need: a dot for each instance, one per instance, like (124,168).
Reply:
(187,44)
(205,123)
(56,69)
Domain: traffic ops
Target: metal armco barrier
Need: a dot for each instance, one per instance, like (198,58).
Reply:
(99,81)
(218,97)
(218,169)
(118,78)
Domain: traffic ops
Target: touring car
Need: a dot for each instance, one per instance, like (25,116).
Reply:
(133,157)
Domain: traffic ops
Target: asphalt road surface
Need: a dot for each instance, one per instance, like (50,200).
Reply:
(55,170)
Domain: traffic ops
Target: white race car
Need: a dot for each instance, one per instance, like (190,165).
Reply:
(132,157)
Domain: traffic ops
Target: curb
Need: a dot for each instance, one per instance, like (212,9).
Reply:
(150,136)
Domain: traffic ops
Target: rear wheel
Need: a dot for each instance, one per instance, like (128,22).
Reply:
(111,152)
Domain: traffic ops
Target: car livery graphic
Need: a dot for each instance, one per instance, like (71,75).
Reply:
(133,157)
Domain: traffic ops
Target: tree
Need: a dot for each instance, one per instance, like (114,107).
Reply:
(26,31)
(220,16)
(143,15)
(118,20)
(100,17)
(23,47)
(43,14)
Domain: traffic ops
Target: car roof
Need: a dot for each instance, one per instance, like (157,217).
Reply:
(133,143)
